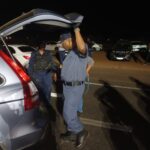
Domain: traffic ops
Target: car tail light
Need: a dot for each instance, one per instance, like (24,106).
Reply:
(26,57)
(30,91)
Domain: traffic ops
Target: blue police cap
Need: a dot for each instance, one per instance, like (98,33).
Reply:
(65,36)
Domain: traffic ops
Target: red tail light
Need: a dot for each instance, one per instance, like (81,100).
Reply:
(30,97)
(26,57)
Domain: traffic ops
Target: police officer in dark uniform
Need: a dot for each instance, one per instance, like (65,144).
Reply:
(40,69)
(73,75)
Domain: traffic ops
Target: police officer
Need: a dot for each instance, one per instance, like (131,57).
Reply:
(40,69)
(73,74)
(88,69)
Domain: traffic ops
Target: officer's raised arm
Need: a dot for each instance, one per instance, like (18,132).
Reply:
(79,41)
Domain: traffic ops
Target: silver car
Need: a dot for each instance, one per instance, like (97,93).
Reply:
(21,121)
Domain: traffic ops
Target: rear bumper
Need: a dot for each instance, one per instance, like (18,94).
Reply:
(117,57)
(29,139)
(29,133)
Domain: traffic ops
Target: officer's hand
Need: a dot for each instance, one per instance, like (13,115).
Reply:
(76,25)
(77,29)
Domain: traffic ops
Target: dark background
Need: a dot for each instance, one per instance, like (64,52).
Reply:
(103,19)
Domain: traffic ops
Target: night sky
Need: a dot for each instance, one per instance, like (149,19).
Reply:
(105,19)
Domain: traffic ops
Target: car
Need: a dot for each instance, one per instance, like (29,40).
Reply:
(139,46)
(22,122)
(121,50)
(20,114)
(97,47)
(22,53)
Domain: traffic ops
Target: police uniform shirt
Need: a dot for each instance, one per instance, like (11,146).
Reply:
(74,67)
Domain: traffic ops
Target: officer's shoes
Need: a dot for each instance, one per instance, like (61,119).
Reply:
(81,139)
(68,136)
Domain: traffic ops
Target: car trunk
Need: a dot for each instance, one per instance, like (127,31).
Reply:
(41,18)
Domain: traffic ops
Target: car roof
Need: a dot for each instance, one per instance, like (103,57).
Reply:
(39,16)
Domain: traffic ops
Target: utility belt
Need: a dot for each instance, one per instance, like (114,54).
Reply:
(73,83)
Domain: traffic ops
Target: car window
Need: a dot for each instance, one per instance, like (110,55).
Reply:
(26,48)
(11,50)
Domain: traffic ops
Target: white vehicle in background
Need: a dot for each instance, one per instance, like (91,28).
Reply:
(138,46)
(22,53)
(97,47)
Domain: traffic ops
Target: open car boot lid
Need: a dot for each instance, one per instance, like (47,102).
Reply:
(74,17)
(40,16)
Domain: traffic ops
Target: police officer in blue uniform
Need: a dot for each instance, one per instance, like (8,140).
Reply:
(63,55)
(73,75)
(41,67)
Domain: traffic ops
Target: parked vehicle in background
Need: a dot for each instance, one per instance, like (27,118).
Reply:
(22,124)
(120,51)
(139,46)
(22,53)
(97,47)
